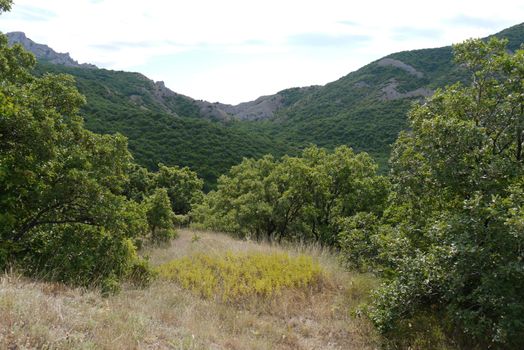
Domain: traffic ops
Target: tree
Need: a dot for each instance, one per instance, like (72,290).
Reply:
(140,183)
(295,198)
(242,202)
(455,217)
(183,186)
(60,181)
(341,184)
(160,216)
(5,5)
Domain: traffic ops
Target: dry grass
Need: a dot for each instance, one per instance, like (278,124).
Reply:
(164,316)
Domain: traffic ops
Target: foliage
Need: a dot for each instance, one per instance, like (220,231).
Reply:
(455,218)
(61,184)
(235,277)
(294,198)
(183,186)
(5,5)
(140,183)
(350,111)
(80,255)
(358,241)
(160,216)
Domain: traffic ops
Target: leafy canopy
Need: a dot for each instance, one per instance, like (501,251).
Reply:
(452,234)
(294,198)
(63,213)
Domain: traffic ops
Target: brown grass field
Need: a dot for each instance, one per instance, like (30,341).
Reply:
(43,315)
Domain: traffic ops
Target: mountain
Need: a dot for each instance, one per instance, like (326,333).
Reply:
(44,52)
(365,109)
(156,96)
(163,126)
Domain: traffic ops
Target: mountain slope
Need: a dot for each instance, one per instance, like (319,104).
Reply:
(367,108)
(364,109)
(162,126)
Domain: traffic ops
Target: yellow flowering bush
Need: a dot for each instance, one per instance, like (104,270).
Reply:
(236,276)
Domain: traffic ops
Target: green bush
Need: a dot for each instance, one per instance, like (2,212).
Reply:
(160,216)
(63,215)
(79,255)
(294,198)
(358,241)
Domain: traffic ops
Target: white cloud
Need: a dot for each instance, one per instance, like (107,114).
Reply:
(249,48)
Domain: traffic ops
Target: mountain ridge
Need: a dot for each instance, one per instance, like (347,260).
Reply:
(44,52)
(365,109)
(261,108)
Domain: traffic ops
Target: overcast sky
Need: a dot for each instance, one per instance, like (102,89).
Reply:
(233,51)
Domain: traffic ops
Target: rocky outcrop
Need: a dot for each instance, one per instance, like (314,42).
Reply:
(44,52)
(390,92)
(399,64)
(262,108)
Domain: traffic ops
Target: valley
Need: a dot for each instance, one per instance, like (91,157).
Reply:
(365,110)
(384,209)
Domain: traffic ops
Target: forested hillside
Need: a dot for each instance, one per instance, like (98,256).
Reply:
(161,126)
(365,110)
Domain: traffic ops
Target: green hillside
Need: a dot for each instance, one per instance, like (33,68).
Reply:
(163,130)
(356,111)
(365,109)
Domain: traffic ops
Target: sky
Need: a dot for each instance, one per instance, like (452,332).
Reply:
(234,51)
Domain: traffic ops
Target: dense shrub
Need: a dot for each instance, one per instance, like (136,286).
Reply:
(358,241)
(457,207)
(78,254)
(184,188)
(62,214)
(295,198)
(159,216)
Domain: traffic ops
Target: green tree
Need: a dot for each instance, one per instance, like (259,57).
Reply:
(160,216)
(5,5)
(455,217)
(183,186)
(341,184)
(140,183)
(295,198)
(60,181)
(242,203)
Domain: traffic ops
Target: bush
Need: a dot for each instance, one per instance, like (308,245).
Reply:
(294,198)
(63,215)
(79,255)
(358,241)
(235,277)
(456,218)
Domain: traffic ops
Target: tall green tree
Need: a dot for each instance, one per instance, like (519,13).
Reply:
(455,221)
(60,184)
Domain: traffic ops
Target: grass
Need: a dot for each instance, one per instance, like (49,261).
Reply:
(167,316)
(235,277)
